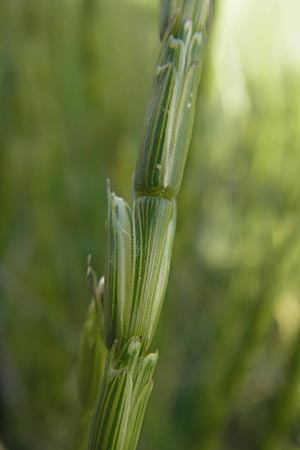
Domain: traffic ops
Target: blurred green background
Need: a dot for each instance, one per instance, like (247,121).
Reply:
(75,79)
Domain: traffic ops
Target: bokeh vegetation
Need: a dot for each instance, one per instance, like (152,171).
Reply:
(75,79)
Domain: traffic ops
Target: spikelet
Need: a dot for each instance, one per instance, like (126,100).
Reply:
(170,118)
(139,248)
(119,412)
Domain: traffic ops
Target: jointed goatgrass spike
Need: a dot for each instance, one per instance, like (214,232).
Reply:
(139,242)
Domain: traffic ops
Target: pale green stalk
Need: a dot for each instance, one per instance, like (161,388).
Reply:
(139,239)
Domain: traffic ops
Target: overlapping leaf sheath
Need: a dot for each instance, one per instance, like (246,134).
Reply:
(139,240)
